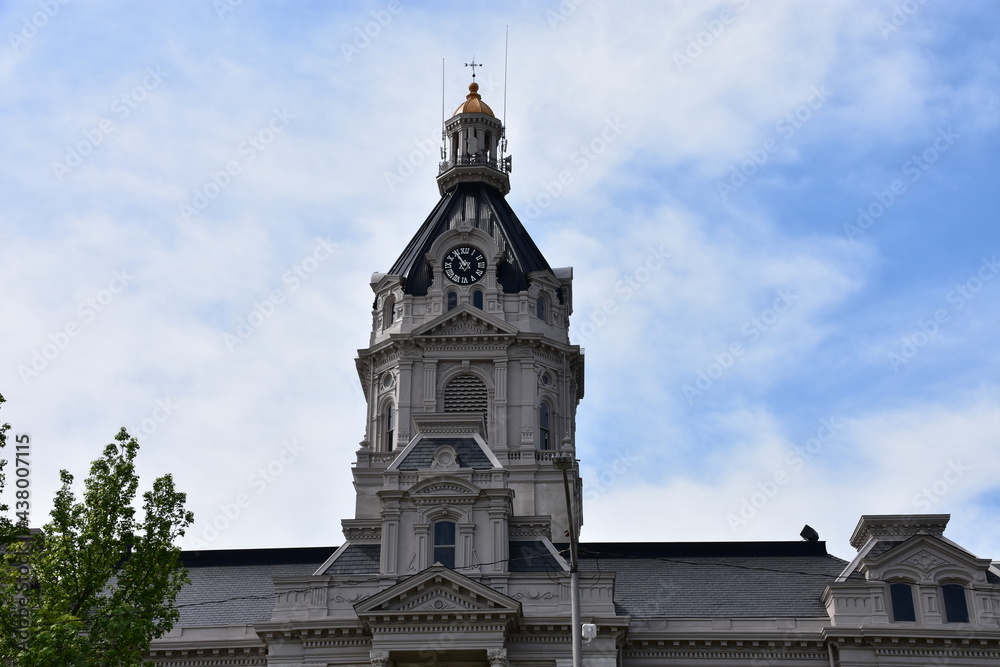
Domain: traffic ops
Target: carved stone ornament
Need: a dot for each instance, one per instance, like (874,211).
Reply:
(497,657)
(445,458)
(925,560)
(379,658)
(464,327)
(532,594)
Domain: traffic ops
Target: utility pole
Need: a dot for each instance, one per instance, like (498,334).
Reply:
(565,463)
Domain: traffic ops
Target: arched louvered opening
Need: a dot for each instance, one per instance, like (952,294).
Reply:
(465,393)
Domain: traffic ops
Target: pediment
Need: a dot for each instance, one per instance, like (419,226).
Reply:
(927,558)
(465,320)
(444,486)
(438,590)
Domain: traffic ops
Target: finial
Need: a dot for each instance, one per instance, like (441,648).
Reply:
(473,65)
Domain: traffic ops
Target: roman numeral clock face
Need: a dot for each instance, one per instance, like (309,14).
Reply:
(464,265)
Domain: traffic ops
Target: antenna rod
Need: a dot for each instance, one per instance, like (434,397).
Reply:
(442,112)
(506,34)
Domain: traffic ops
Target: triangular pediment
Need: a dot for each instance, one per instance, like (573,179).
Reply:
(465,320)
(925,557)
(438,590)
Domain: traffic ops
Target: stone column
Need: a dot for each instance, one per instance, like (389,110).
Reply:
(500,403)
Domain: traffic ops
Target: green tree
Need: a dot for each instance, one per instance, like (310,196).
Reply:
(102,581)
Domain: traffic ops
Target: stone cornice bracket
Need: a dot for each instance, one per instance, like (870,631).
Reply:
(379,658)
(497,657)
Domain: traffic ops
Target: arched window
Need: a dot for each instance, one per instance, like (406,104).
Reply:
(545,439)
(901,597)
(389,427)
(452,300)
(477,299)
(540,308)
(444,543)
(956,607)
(389,312)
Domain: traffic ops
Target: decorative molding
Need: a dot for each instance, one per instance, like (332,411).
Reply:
(497,657)
(532,594)
(444,458)
(379,658)
(924,560)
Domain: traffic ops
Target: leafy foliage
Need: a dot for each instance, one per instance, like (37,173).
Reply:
(102,581)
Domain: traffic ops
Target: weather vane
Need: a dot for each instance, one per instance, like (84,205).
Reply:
(473,65)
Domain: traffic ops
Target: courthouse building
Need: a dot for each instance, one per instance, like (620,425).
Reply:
(458,552)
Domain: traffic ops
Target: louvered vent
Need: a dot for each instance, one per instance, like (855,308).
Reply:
(465,393)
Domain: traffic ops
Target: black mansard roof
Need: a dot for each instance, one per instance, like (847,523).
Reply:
(484,208)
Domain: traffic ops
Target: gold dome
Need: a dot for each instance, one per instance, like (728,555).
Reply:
(474,102)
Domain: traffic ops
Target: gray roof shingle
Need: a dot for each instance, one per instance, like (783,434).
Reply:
(706,580)
(470,455)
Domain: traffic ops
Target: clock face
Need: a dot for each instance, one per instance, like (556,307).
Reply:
(464,265)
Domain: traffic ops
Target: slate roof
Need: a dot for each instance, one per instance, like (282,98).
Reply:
(653,580)
(485,208)
(234,586)
(357,559)
(470,454)
(883,546)
(532,556)
(715,579)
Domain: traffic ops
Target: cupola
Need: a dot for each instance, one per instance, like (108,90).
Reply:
(473,150)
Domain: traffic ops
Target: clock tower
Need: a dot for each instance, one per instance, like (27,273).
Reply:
(472,386)
(471,382)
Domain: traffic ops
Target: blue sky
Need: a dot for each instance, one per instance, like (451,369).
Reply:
(782,219)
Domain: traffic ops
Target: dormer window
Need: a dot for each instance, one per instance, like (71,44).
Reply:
(901,598)
(540,309)
(444,543)
(956,606)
